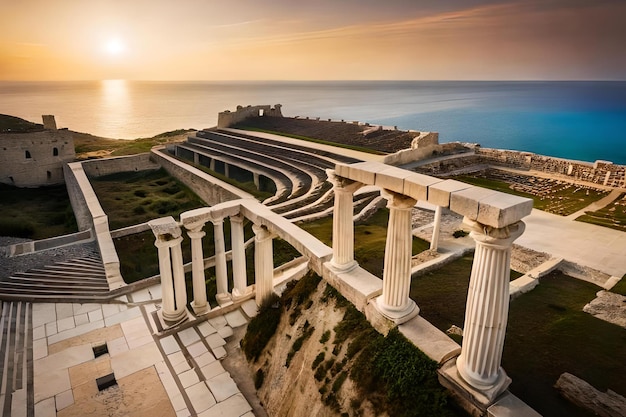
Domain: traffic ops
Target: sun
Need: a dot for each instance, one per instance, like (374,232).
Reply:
(114,46)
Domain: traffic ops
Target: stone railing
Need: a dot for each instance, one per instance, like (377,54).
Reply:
(266,226)
(473,371)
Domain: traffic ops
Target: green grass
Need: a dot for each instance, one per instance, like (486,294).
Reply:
(314,140)
(613,215)
(564,201)
(130,198)
(547,333)
(36,213)
(84,143)
(369,237)
(16,125)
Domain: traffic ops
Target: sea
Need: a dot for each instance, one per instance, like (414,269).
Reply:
(577,120)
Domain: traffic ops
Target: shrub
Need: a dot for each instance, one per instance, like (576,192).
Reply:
(318,359)
(16,228)
(459,233)
(325,337)
(140,193)
(261,329)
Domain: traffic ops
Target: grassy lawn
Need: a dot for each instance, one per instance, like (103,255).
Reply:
(555,197)
(613,215)
(369,238)
(130,198)
(547,334)
(85,143)
(36,213)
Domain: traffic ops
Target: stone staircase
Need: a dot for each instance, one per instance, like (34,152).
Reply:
(74,278)
(16,359)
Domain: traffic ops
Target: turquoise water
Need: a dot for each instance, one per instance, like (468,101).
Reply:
(575,120)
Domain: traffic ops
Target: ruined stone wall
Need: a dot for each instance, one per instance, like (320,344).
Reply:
(227,118)
(599,172)
(100,167)
(35,159)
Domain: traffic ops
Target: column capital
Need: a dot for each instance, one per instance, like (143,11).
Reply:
(194,227)
(261,232)
(488,235)
(342,183)
(398,201)
(163,241)
(237,218)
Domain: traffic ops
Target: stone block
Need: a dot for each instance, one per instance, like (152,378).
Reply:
(222,386)
(466,202)
(235,319)
(232,406)
(500,210)
(363,172)
(439,193)
(511,406)
(357,284)
(416,185)
(392,178)
(430,340)
(200,396)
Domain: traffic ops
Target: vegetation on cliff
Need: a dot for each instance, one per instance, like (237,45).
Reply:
(317,344)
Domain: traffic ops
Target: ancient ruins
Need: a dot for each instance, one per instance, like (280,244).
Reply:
(154,327)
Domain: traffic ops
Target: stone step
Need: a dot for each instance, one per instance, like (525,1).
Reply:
(69,270)
(16,359)
(59,275)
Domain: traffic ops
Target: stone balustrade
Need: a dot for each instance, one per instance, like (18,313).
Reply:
(495,220)
(265,224)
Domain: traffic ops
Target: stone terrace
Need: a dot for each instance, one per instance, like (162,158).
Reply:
(347,133)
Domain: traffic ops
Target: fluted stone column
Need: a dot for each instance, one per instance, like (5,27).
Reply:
(434,241)
(168,238)
(199,303)
(343,223)
(394,303)
(263,263)
(221,274)
(240,282)
(487,309)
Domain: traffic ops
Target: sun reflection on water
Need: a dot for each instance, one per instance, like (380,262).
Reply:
(116,107)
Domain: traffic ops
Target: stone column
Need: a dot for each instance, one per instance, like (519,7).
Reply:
(263,263)
(434,241)
(240,282)
(168,238)
(199,303)
(343,223)
(487,309)
(394,303)
(221,275)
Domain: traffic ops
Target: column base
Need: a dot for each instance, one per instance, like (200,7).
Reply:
(171,320)
(343,267)
(239,295)
(200,310)
(223,299)
(397,316)
(481,398)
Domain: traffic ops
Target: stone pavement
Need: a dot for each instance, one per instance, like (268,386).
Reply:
(585,244)
(157,372)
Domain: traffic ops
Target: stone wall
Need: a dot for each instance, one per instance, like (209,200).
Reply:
(227,118)
(599,172)
(100,167)
(210,189)
(35,159)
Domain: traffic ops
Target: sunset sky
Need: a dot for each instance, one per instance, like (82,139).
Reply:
(316,39)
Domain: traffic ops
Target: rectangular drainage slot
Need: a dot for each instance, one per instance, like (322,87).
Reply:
(100,350)
(106,381)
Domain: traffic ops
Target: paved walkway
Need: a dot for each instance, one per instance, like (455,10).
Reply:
(165,373)
(585,244)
